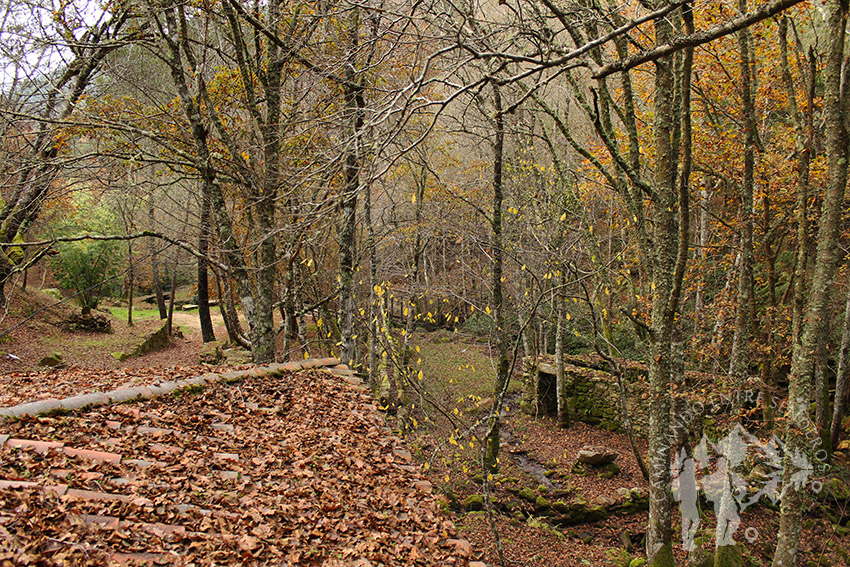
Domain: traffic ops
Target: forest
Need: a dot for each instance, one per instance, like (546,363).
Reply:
(653,182)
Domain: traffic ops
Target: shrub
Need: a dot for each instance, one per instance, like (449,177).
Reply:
(86,267)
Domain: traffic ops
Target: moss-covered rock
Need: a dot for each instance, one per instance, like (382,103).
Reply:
(527,494)
(53,359)
(580,469)
(454,501)
(610,470)
(577,513)
(473,503)
(542,505)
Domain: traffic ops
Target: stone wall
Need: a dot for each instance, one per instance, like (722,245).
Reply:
(593,395)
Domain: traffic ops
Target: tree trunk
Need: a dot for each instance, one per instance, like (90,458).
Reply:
(740,355)
(207,333)
(412,305)
(157,284)
(170,319)
(560,379)
(354,104)
(211,190)
(373,282)
(491,453)
(841,379)
(659,545)
(821,384)
(814,322)
(131,280)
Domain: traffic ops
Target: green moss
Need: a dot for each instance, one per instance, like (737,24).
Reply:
(728,556)
(527,494)
(454,502)
(664,557)
(610,470)
(619,557)
(191,390)
(579,468)
(473,503)
(541,504)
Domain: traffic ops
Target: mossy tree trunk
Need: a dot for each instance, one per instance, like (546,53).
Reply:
(841,380)
(560,379)
(491,454)
(813,323)
(664,261)
(354,103)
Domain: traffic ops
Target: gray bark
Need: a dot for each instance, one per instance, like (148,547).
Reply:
(354,103)
(560,379)
(742,336)
(664,254)
(492,442)
(841,380)
(799,424)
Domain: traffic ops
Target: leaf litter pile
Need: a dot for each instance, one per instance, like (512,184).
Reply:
(292,470)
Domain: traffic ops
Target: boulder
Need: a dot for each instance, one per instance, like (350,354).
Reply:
(473,503)
(596,456)
(53,360)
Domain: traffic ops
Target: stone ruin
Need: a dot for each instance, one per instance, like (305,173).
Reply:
(593,395)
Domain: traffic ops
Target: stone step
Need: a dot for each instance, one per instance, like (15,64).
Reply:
(102,456)
(58,489)
(39,446)
(114,523)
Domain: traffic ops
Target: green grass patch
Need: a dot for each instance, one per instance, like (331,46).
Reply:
(457,365)
(120,313)
(190,390)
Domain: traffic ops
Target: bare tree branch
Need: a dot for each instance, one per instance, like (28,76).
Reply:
(693,40)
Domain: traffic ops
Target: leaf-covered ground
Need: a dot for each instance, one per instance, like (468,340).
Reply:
(268,471)
(537,468)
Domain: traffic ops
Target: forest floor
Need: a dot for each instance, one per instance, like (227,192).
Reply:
(545,513)
(536,475)
(292,469)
